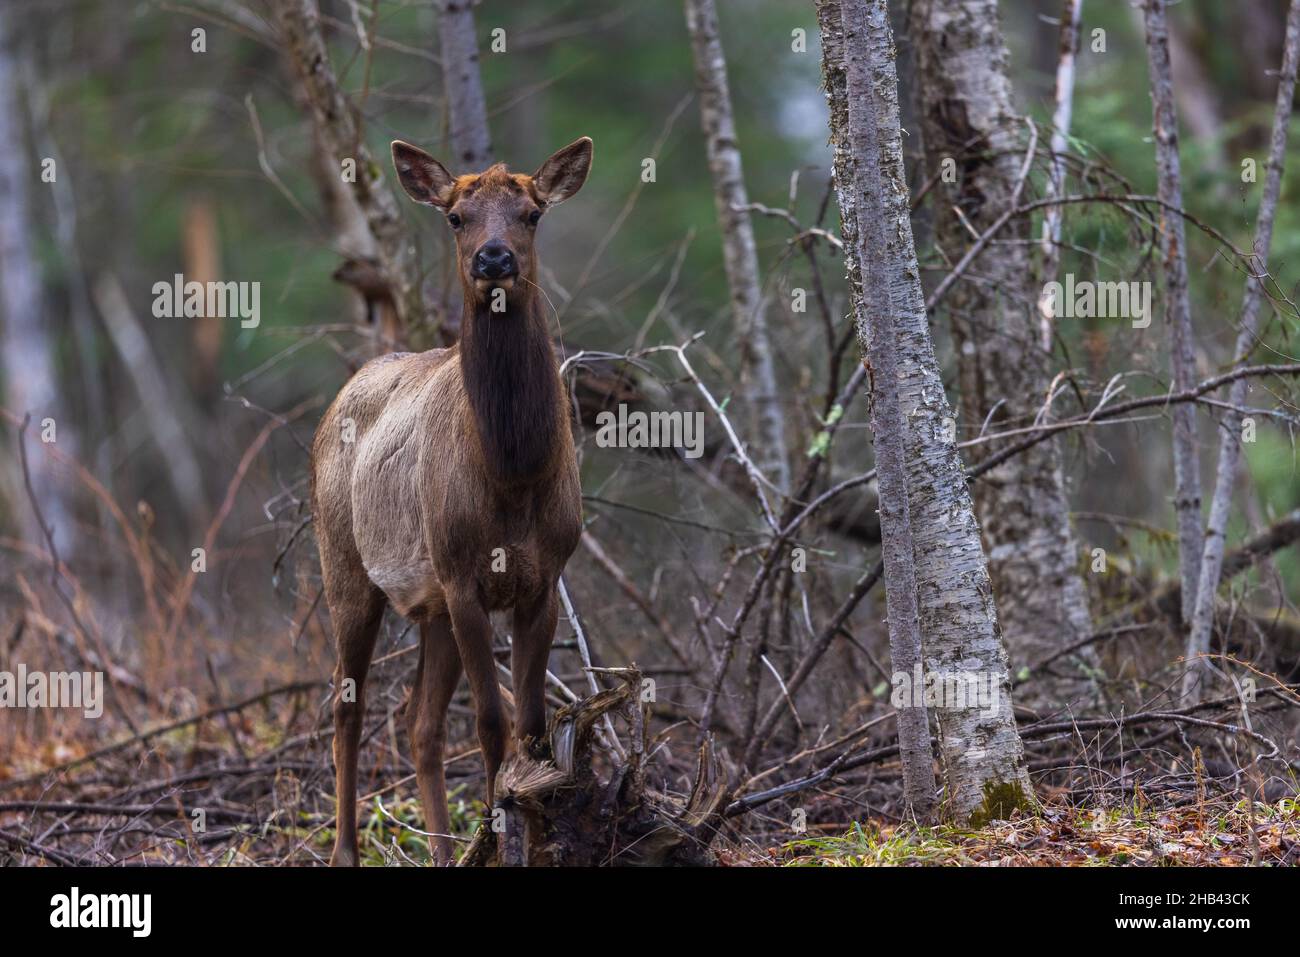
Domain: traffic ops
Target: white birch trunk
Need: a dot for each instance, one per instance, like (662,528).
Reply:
(748,307)
(27,347)
(1230,429)
(878,341)
(980,748)
(1178,310)
(462,83)
(1054,216)
(969,120)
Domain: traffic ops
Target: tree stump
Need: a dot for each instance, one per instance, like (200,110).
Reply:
(554,809)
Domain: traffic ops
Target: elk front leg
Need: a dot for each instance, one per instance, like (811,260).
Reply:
(473,631)
(436,678)
(356,609)
(534,626)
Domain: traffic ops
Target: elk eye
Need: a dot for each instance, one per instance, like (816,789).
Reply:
(454,220)
(534,217)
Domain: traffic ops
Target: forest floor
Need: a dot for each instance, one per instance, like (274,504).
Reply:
(252,784)
(1213,833)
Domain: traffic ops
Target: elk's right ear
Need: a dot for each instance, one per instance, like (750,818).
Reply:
(423,177)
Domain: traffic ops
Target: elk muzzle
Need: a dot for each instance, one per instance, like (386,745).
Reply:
(494,261)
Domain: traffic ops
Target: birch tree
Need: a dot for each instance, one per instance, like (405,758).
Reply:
(1054,216)
(878,341)
(468,134)
(1178,310)
(980,749)
(748,306)
(471,143)
(974,146)
(30,376)
(1231,425)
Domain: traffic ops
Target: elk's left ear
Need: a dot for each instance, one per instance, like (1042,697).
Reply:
(564,173)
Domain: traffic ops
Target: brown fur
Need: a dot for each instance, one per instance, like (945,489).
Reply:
(458,459)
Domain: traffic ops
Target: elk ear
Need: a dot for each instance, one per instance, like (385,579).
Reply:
(423,177)
(564,173)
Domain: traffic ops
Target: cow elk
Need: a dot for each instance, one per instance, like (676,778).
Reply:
(445,484)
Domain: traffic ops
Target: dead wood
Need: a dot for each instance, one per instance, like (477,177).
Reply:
(568,804)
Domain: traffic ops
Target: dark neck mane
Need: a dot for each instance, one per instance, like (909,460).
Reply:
(511,378)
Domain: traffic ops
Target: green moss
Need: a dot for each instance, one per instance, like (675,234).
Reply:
(867,846)
(1001,798)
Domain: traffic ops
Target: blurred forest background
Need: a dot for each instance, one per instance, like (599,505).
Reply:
(175,434)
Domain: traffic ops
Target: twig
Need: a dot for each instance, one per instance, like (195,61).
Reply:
(56,577)
(585,651)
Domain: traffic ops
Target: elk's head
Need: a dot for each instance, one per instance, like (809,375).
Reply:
(494,214)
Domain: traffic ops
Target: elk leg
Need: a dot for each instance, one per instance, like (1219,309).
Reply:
(473,631)
(356,609)
(534,632)
(436,678)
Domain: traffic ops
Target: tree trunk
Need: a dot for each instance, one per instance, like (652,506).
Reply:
(1054,216)
(1198,642)
(878,341)
(31,380)
(463,86)
(163,410)
(305,46)
(1178,312)
(467,125)
(968,118)
(351,234)
(1196,97)
(748,306)
(980,749)
(562,811)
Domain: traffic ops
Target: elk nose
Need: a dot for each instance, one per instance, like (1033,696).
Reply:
(494,260)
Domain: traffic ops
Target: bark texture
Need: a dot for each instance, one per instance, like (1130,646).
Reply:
(1178,310)
(878,341)
(463,86)
(300,29)
(559,811)
(1230,428)
(748,308)
(350,231)
(968,117)
(980,748)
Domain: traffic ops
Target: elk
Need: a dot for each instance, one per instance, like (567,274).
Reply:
(445,484)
